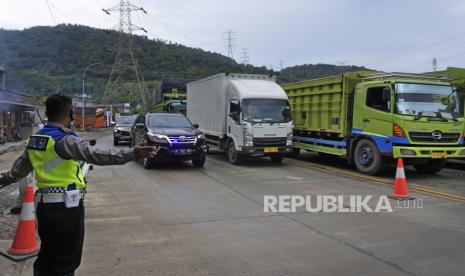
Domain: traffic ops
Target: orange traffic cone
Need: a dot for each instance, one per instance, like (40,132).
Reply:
(25,244)
(400,190)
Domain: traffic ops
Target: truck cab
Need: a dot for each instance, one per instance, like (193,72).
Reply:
(258,123)
(418,118)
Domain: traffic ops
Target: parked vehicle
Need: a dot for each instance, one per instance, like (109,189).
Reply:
(243,115)
(371,117)
(177,138)
(122,129)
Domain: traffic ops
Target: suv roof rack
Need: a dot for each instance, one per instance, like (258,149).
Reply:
(395,75)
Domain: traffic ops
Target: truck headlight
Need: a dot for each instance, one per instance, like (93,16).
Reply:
(201,136)
(248,139)
(407,152)
(289,139)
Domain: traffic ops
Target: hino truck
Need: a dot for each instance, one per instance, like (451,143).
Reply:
(370,118)
(242,114)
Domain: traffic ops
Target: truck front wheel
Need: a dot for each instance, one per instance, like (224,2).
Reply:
(368,159)
(233,156)
(431,166)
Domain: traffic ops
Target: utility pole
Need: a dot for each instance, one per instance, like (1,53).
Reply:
(230,39)
(83,92)
(435,64)
(245,56)
(124,59)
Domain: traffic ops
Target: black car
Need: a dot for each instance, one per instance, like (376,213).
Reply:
(174,133)
(122,130)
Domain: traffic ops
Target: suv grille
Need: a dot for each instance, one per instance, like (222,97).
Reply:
(264,142)
(182,139)
(435,137)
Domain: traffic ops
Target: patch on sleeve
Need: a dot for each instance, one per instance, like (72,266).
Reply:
(38,143)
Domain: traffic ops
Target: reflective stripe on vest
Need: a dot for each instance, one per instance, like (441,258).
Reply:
(52,171)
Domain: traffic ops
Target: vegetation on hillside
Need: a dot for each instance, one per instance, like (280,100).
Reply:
(44,60)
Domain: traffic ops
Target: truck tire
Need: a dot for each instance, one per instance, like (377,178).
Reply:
(199,162)
(295,153)
(233,156)
(368,159)
(277,159)
(431,166)
(115,141)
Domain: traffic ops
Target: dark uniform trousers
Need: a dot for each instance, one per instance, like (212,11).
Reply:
(61,231)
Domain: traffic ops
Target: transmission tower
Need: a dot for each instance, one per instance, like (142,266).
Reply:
(230,39)
(125,62)
(435,64)
(245,56)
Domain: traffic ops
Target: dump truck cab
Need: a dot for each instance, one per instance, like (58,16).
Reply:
(416,117)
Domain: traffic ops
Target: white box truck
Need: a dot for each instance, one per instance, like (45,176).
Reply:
(242,114)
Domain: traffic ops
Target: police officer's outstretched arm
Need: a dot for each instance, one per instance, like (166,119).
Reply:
(72,147)
(20,169)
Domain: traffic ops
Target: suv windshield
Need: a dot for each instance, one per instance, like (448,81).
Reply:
(168,121)
(126,120)
(266,110)
(427,100)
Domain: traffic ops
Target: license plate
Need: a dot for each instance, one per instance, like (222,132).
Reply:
(269,150)
(182,151)
(437,155)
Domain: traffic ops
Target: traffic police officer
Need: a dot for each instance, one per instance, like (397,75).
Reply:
(53,153)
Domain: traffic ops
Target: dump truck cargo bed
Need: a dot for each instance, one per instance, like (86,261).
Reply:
(322,105)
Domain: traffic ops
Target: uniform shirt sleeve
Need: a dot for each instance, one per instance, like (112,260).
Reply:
(20,169)
(72,147)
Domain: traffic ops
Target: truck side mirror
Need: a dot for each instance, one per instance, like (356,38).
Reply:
(234,115)
(196,126)
(386,94)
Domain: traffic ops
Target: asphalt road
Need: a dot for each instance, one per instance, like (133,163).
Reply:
(179,220)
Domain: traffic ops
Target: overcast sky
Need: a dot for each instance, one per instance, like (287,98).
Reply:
(390,35)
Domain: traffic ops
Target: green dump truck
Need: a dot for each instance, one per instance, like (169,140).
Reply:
(171,96)
(372,117)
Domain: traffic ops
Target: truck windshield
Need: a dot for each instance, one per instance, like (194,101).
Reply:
(427,100)
(266,110)
(126,120)
(168,121)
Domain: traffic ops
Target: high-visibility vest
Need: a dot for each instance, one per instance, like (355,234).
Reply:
(52,171)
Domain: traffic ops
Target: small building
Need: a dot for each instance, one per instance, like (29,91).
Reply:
(89,108)
(17,112)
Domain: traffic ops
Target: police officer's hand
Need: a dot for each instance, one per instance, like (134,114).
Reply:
(144,151)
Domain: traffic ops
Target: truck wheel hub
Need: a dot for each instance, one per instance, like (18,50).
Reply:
(366,155)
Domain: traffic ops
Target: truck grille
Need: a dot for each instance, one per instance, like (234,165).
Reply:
(181,139)
(434,137)
(265,142)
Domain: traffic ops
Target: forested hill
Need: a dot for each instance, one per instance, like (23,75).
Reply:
(43,60)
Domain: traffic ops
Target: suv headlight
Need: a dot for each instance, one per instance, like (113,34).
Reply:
(158,138)
(248,139)
(289,139)
(201,136)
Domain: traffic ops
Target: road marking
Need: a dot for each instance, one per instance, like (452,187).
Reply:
(373,179)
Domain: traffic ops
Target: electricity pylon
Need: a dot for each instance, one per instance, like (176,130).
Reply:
(124,59)
(230,38)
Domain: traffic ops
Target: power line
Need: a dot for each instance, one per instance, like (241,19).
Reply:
(50,11)
(86,11)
